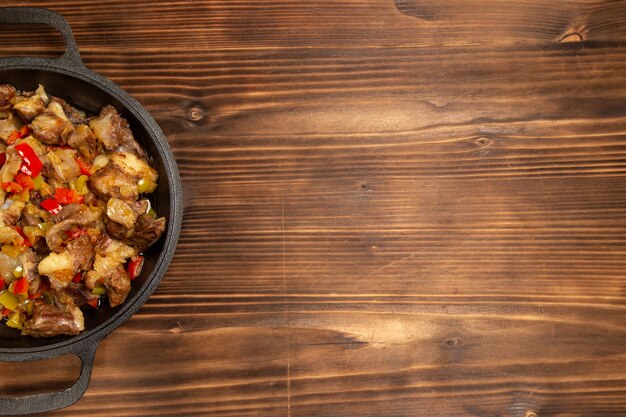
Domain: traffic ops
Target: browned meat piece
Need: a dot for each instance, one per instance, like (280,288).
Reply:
(83,252)
(79,216)
(68,211)
(118,286)
(8,126)
(30,107)
(48,320)
(34,285)
(10,215)
(79,294)
(83,139)
(113,132)
(30,261)
(60,165)
(49,128)
(112,181)
(145,232)
(7,92)
(121,212)
(32,215)
(70,112)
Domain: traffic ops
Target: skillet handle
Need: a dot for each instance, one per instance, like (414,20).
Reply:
(38,15)
(40,403)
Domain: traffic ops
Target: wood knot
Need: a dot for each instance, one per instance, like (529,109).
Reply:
(575,33)
(195,114)
(572,37)
(454,341)
(483,141)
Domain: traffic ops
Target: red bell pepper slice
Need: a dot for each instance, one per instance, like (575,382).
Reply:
(26,241)
(94,302)
(12,187)
(85,167)
(75,233)
(34,296)
(20,286)
(6,312)
(19,134)
(67,196)
(135,266)
(25,181)
(78,277)
(32,164)
(51,205)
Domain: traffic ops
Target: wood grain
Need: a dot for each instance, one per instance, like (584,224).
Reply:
(392,208)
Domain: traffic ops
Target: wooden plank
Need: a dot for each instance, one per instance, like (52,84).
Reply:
(367,23)
(387,214)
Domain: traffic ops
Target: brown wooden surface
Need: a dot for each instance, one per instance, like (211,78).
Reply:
(411,209)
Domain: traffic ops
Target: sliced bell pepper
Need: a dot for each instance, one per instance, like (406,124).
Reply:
(19,134)
(32,164)
(78,277)
(20,286)
(25,181)
(99,291)
(51,205)
(80,185)
(9,300)
(75,232)
(5,312)
(94,302)
(65,196)
(12,250)
(85,167)
(134,267)
(12,187)
(15,320)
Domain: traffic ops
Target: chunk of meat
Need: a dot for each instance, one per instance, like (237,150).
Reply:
(49,320)
(73,215)
(110,254)
(83,139)
(7,92)
(8,234)
(121,212)
(83,252)
(72,114)
(137,167)
(49,128)
(30,107)
(113,132)
(80,296)
(11,166)
(8,126)
(118,286)
(142,235)
(11,214)
(32,215)
(61,165)
(112,181)
(30,261)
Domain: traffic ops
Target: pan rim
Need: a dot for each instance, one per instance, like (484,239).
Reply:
(129,307)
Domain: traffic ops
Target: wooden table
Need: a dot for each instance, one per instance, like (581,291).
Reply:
(392,209)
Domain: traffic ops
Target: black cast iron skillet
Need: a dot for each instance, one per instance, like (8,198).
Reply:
(68,78)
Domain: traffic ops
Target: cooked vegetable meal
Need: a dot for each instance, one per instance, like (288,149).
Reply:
(75,215)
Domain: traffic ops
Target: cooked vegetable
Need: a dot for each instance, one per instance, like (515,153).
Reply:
(74,213)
